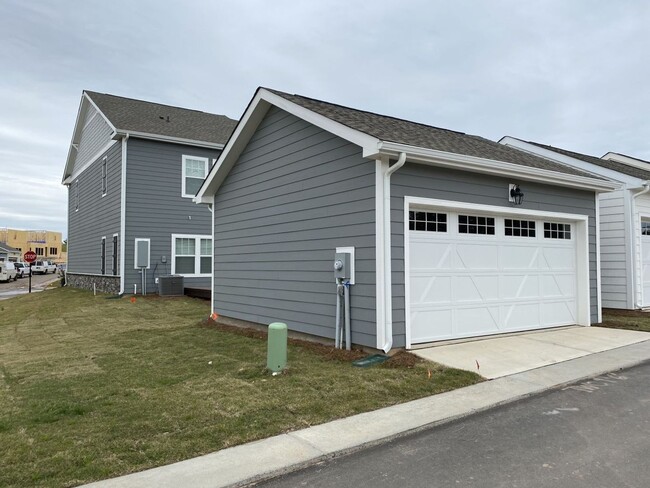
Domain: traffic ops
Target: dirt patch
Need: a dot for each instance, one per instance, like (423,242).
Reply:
(625,313)
(401,359)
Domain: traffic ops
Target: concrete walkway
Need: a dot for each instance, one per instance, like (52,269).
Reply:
(495,357)
(277,455)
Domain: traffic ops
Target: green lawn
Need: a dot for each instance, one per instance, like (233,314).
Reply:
(92,388)
(626,319)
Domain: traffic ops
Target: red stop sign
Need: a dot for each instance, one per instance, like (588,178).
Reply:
(30,256)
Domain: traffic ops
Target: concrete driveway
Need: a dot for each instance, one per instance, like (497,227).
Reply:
(502,356)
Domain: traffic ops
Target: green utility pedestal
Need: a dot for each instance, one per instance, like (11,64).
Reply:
(276,357)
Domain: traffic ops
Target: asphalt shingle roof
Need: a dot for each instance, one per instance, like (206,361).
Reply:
(604,163)
(401,131)
(128,114)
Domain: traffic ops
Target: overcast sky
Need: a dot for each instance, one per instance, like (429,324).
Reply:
(568,73)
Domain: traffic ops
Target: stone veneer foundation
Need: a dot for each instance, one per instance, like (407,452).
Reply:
(103,283)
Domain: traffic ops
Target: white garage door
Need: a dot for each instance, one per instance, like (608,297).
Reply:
(474,274)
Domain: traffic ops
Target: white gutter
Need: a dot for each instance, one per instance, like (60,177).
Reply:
(489,166)
(388,282)
(163,138)
(123,216)
(635,229)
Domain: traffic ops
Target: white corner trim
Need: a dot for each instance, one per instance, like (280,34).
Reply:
(489,166)
(212,268)
(407,275)
(206,169)
(122,252)
(599,291)
(379,253)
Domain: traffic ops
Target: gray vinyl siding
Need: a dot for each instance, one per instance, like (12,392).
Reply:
(295,194)
(615,277)
(155,209)
(95,135)
(444,184)
(97,216)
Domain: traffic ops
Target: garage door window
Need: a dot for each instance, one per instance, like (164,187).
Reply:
(519,228)
(473,224)
(554,230)
(428,221)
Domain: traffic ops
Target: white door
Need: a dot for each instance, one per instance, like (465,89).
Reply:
(645,261)
(475,274)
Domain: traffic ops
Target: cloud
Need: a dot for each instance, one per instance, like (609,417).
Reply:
(572,74)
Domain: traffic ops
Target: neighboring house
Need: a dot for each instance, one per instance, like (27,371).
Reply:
(132,170)
(8,253)
(46,244)
(440,251)
(624,221)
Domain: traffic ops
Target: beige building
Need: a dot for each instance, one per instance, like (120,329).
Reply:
(46,244)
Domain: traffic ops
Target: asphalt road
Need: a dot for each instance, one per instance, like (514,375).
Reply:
(21,285)
(592,434)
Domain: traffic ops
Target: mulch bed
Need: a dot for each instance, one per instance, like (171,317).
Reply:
(400,359)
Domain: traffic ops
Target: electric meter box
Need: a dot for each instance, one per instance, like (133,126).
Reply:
(342,265)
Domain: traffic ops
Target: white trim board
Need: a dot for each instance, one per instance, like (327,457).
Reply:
(583,285)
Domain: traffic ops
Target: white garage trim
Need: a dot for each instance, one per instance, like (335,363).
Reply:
(583,290)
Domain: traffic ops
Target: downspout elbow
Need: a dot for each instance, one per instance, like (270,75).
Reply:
(388,282)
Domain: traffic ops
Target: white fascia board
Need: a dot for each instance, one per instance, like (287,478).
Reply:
(622,158)
(157,137)
(247,125)
(500,168)
(626,180)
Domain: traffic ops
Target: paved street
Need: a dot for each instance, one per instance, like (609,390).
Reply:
(20,286)
(592,434)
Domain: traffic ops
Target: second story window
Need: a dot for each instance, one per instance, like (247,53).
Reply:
(195,169)
(104,177)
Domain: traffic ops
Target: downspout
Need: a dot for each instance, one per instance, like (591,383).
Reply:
(638,280)
(388,282)
(123,217)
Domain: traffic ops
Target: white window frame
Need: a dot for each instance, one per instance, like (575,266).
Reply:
(115,255)
(197,254)
(206,162)
(76,195)
(104,176)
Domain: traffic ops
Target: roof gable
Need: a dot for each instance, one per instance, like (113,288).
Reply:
(384,136)
(130,115)
(148,120)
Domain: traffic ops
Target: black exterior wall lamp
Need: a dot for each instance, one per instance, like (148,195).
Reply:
(515,195)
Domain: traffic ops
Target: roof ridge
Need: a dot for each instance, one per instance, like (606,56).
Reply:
(364,111)
(90,92)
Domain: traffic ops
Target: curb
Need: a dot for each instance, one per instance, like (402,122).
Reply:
(276,456)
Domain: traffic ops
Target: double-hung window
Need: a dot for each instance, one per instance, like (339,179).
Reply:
(191,255)
(195,169)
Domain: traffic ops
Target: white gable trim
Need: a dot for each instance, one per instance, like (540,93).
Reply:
(76,137)
(246,127)
(629,181)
